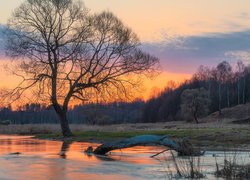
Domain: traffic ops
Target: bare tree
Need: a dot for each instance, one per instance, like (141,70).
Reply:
(195,103)
(204,73)
(222,75)
(245,73)
(65,53)
(240,73)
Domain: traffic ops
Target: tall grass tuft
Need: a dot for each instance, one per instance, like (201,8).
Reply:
(188,167)
(233,168)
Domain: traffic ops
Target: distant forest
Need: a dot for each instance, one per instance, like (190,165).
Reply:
(227,86)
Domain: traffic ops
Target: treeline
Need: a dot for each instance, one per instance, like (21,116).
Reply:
(227,86)
(101,114)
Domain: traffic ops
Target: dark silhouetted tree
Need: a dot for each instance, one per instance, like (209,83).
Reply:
(222,74)
(65,53)
(194,103)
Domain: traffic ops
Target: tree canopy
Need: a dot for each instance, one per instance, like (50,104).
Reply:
(66,53)
(195,103)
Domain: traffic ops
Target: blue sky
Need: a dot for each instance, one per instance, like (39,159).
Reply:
(182,33)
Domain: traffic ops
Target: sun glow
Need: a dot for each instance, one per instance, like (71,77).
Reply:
(152,21)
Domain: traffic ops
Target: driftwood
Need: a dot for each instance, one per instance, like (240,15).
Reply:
(184,148)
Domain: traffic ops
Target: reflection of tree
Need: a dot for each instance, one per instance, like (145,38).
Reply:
(104,157)
(89,154)
(65,147)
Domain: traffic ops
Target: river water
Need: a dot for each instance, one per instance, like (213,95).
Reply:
(22,157)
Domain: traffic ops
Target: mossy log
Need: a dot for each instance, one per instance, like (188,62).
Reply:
(184,148)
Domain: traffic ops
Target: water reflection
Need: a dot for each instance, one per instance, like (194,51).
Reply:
(65,147)
(42,159)
(71,150)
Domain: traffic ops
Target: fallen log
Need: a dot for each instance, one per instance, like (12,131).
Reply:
(184,148)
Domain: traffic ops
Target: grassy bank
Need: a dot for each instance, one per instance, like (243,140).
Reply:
(203,135)
(212,138)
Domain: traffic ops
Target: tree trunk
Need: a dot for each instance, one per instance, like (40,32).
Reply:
(238,90)
(219,98)
(244,89)
(196,119)
(184,148)
(228,98)
(209,89)
(65,125)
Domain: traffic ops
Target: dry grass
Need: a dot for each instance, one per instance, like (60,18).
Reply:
(189,167)
(213,121)
(228,115)
(55,128)
(233,168)
(208,135)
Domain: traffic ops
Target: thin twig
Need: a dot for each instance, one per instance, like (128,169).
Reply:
(159,153)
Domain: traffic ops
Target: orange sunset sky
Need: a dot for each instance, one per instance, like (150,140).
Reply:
(182,33)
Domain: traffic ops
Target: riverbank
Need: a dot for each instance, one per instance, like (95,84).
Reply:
(208,135)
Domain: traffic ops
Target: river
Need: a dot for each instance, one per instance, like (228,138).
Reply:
(22,157)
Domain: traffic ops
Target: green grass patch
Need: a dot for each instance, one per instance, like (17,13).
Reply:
(213,138)
(102,136)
